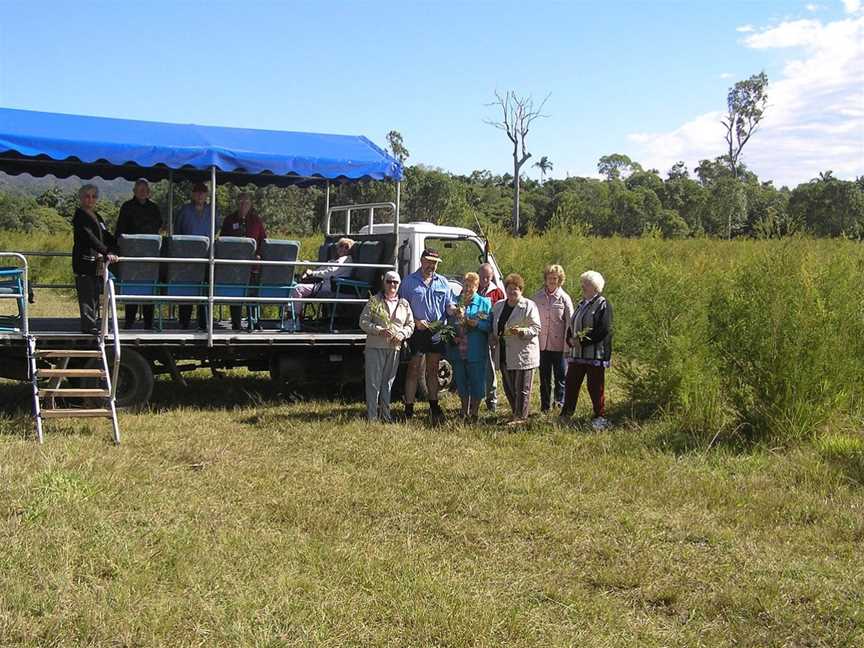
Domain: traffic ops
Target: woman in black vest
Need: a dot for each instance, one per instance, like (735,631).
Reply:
(590,340)
(92,243)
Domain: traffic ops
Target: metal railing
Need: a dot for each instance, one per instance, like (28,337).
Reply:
(348,209)
(23,296)
(109,302)
(210,298)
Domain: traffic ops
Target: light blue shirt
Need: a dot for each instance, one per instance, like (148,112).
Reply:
(427,302)
(190,223)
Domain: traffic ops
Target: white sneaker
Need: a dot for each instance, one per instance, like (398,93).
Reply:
(600,423)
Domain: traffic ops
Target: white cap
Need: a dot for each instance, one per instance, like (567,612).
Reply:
(392,275)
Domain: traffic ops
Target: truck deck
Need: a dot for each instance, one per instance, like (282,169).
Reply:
(51,331)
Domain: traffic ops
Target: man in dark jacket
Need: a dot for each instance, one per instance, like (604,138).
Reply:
(139,215)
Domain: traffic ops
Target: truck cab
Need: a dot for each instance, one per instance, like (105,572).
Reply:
(461,249)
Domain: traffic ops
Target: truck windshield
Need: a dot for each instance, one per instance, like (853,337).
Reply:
(458,256)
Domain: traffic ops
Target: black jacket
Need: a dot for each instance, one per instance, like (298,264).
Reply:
(137,218)
(595,323)
(91,239)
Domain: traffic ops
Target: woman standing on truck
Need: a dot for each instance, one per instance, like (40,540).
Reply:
(92,243)
(469,350)
(245,222)
(387,321)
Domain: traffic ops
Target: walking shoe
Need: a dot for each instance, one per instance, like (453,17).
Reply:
(409,410)
(600,423)
(491,406)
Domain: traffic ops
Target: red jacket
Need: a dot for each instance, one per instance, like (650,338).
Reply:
(494,293)
(253,227)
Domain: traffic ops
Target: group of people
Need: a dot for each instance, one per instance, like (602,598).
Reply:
(94,243)
(485,329)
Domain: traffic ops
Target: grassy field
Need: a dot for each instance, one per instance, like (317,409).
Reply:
(724,508)
(228,517)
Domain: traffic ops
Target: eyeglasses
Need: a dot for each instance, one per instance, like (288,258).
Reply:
(391,281)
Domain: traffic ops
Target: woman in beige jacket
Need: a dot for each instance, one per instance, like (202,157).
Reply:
(515,345)
(387,321)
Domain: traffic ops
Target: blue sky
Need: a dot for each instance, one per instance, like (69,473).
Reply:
(643,78)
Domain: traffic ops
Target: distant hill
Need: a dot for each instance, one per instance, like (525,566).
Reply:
(27,185)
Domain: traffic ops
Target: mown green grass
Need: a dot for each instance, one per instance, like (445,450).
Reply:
(228,517)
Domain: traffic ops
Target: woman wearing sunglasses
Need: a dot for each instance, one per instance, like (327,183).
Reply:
(387,320)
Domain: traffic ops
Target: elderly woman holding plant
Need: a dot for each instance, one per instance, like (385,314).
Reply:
(468,351)
(515,345)
(556,311)
(387,321)
(591,348)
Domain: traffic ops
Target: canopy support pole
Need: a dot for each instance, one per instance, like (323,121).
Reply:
(327,204)
(396,228)
(212,264)
(170,202)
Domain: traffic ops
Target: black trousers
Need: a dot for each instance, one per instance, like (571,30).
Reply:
(552,364)
(88,301)
(184,315)
(147,311)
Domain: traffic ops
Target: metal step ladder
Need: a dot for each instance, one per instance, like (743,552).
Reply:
(44,397)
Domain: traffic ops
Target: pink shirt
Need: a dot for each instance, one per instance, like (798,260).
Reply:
(556,311)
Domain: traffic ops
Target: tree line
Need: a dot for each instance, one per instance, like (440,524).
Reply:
(626,201)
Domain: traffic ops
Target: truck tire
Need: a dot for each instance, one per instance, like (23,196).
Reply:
(134,379)
(445,378)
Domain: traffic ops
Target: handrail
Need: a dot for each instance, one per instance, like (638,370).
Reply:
(25,316)
(350,208)
(115,371)
(252,262)
(110,312)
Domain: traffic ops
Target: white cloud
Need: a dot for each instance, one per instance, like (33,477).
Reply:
(726,75)
(744,29)
(852,6)
(815,115)
(813,7)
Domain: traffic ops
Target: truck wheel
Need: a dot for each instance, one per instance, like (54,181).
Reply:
(445,378)
(134,379)
(445,375)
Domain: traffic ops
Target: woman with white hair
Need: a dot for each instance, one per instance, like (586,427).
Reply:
(590,340)
(92,244)
(387,321)
(318,281)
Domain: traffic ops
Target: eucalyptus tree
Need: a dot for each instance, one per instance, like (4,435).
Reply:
(745,103)
(517,115)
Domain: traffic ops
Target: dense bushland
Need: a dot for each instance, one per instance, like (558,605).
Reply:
(747,340)
(735,341)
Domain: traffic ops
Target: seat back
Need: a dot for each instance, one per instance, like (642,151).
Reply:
(192,275)
(276,280)
(232,280)
(367,252)
(327,251)
(138,278)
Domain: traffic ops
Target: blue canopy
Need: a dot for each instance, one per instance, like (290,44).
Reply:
(42,144)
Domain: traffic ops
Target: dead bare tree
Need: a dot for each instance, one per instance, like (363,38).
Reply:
(517,115)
